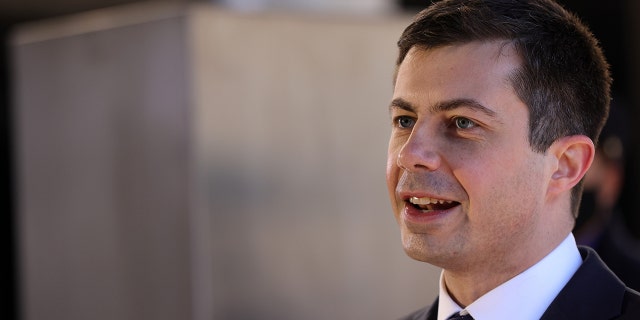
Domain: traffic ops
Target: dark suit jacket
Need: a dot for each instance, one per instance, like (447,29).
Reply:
(593,293)
(620,251)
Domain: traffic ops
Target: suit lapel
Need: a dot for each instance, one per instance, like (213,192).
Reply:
(593,292)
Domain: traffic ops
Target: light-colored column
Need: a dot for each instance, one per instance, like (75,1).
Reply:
(101,105)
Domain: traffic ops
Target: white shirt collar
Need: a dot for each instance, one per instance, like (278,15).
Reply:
(527,295)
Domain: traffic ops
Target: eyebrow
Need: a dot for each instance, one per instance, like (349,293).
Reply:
(445,106)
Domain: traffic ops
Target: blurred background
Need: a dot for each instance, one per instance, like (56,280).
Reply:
(225,159)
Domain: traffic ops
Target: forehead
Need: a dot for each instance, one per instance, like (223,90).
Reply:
(480,71)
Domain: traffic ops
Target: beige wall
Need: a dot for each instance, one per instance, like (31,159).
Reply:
(187,162)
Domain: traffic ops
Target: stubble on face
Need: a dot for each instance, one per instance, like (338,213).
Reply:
(424,242)
(496,179)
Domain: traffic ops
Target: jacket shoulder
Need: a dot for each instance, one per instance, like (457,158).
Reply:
(630,305)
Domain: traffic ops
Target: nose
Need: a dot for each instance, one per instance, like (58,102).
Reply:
(420,152)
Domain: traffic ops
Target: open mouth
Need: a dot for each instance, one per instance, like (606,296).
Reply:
(431,204)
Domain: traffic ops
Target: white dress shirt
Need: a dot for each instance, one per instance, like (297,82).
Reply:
(526,296)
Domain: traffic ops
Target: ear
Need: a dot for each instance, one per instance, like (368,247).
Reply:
(572,157)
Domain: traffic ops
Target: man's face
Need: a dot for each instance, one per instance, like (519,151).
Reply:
(464,183)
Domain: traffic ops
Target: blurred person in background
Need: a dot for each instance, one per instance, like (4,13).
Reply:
(600,223)
(496,111)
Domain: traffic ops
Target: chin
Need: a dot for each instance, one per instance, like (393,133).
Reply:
(419,248)
(416,248)
(418,256)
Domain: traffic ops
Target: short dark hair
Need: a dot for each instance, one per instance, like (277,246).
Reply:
(564,78)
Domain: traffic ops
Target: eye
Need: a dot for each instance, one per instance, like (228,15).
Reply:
(405,122)
(464,123)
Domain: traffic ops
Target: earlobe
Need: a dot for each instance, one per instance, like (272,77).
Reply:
(573,156)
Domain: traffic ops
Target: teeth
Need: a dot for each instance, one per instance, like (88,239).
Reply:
(425,200)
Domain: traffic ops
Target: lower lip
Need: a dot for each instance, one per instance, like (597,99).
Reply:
(415,215)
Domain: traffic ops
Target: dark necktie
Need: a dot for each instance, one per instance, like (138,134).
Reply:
(458,316)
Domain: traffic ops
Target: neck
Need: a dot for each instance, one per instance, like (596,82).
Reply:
(466,285)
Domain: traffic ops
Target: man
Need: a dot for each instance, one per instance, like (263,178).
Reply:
(496,108)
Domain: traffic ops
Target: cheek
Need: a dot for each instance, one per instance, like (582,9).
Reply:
(490,177)
(392,164)
(504,195)
(392,175)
